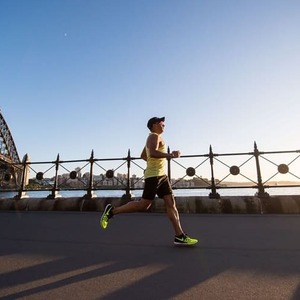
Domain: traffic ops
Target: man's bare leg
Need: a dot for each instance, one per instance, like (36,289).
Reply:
(173,214)
(133,206)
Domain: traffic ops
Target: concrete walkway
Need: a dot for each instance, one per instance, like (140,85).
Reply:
(66,255)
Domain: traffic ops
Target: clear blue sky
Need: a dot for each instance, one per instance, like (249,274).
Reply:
(77,75)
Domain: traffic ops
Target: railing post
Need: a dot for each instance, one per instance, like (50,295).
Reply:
(90,193)
(169,165)
(261,190)
(54,193)
(213,194)
(127,196)
(22,193)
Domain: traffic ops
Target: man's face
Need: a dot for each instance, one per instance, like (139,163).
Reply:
(158,127)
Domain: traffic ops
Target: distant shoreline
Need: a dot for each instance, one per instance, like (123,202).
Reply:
(202,192)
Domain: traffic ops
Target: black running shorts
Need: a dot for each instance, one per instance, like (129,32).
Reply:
(157,185)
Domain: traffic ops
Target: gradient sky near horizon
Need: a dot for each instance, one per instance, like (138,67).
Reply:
(77,75)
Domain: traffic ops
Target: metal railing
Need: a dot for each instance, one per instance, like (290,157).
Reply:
(199,174)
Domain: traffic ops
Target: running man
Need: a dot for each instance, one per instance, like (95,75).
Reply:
(156,183)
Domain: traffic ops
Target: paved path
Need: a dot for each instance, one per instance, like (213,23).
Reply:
(59,255)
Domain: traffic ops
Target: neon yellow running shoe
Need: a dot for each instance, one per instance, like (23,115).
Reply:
(107,214)
(184,240)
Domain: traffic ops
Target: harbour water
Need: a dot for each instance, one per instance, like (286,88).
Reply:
(177,192)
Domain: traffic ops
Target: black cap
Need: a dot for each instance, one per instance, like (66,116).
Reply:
(153,121)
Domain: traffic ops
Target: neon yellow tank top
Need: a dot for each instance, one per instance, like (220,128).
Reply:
(155,166)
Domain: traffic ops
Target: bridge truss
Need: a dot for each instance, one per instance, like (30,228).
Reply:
(9,156)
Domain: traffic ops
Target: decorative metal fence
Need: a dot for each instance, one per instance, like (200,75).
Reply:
(212,171)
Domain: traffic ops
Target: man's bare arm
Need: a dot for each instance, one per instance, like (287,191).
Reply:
(153,145)
(144,154)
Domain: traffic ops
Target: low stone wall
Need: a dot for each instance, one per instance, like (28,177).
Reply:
(232,204)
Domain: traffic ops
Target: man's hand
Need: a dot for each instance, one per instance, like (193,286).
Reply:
(176,154)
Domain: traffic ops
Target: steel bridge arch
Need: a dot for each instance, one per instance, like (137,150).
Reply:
(8,149)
